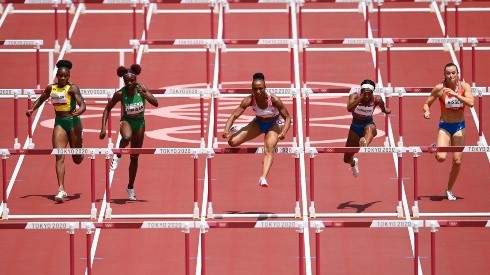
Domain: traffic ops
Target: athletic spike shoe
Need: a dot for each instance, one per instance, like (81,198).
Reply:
(450,195)
(131,194)
(236,128)
(115,162)
(61,195)
(355,168)
(263,182)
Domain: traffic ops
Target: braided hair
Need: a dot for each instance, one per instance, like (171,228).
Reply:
(134,69)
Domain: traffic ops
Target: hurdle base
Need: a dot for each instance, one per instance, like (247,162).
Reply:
(31,145)
(311,210)
(16,144)
(210,214)
(480,142)
(415,211)
(195,214)
(108,211)
(387,142)
(399,211)
(297,210)
(5,214)
(93,213)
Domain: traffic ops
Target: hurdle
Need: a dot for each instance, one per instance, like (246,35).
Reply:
(376,43)
(70,226)
(313,151)
(37,46)
(181,225)
(86,93)
(194,152)
(435,225)
(296,151)
(91,152)
(320,225)
(299,226)
(228,45)
(425,91)
(208,44)
(240,92)
(308,93)
(363,7)
(15,94)
(416,151)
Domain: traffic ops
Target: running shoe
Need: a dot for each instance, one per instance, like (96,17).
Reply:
(362,142)
(450,195)
(131,194)
(355,168)
(263,182)
(61,195)
(115,162)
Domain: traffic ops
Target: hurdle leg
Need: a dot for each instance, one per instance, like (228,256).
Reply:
(297,209)
(317,247)
(301,239)
(415,207)
(93,210)
(186,255)
(416,248)
(210,214)
(108,210)
(311,210)
(433,230)
(196,187)
(399,208)
(89,248)
(16,122)
(72,250)
(29,123)
(203,249)
(5,212)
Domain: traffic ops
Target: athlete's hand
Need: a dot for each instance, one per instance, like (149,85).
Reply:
(281,136)
(102,133)
(75,113)
(427,114)
(29,112)
(387,111)
(226,135)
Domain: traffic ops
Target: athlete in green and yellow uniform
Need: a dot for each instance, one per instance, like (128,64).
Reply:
(65,96)
(133,97)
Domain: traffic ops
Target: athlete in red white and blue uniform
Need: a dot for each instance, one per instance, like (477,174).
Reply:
(362,129)
(269,110)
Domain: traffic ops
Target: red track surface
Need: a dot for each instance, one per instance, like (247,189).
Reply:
(164,183)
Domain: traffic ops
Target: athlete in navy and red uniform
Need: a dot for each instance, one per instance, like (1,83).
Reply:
(362,129)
